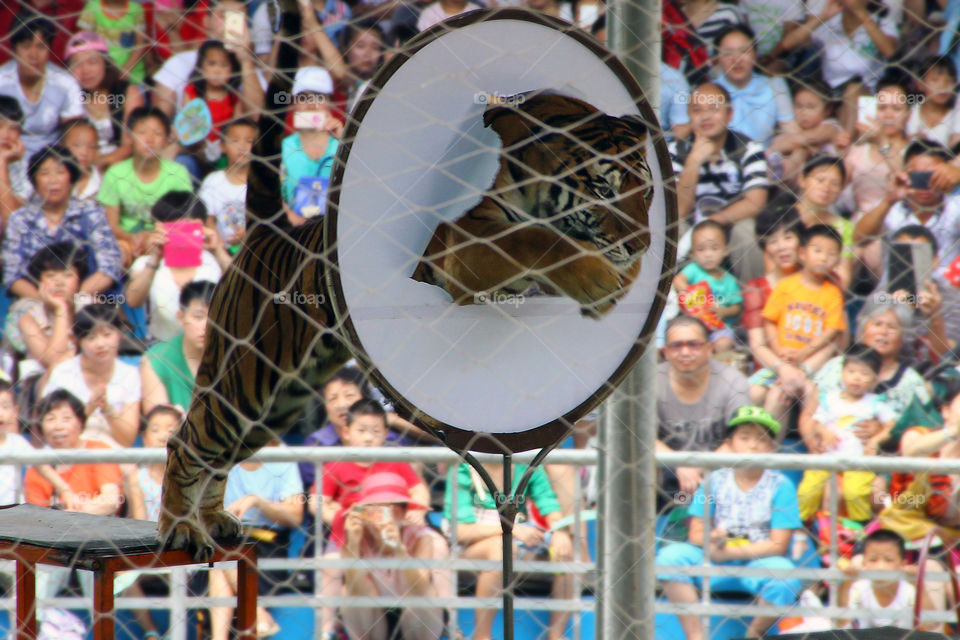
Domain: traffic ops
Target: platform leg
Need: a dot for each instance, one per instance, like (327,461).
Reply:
(247,597)
(103,618)
(26,600)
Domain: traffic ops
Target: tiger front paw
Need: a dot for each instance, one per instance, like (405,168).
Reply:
(592,281)
(198,537)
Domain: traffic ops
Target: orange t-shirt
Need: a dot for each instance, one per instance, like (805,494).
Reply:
(802,313)
(84,479)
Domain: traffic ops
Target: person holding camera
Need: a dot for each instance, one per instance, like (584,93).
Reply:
(377,526)
(911,198)
(184,249)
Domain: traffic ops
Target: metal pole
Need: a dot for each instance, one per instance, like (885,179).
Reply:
(628,577)
(628,504)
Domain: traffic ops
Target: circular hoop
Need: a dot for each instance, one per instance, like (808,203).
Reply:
(555,363)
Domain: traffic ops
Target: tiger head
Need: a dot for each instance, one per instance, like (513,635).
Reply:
(577,169)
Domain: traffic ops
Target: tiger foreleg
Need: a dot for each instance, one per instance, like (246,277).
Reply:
(474,255)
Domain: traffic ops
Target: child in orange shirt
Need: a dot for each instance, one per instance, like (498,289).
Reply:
(802,319)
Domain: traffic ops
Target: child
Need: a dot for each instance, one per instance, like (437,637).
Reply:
(881,600)
(130,188)
(937,117)
(225,192)
(754,515)
(40,329)
(142,486)
(366,426)
(708,248)
(377,528)
(152,279)
(11,443)
(802,319)
(216,79)
(836,415)
(80,137)
(307,155)
(818,132)
(15,188)
(267,497)
(123,25)
(480,535)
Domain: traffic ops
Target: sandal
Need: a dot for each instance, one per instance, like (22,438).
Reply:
(267,630)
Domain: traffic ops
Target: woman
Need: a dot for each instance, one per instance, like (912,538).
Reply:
(870,163)
(821,182)
(108,387)
(107,98)
(54,215)
(364,46)
(48,95)
(885,326)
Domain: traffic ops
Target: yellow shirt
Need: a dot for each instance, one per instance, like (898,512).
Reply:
(802,313)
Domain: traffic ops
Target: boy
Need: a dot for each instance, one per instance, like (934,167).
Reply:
(168,370)
(225,192)
(707,250)
(754,514)
(881,600)
(365,426)
(833,422)
(803,316)
(130,188)
(307,155)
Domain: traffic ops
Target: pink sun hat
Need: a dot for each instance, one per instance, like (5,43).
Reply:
(385,487)
(85,41)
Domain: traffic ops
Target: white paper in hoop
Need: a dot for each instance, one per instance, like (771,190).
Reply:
(422,154)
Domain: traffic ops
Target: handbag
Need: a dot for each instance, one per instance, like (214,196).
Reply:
(310,193)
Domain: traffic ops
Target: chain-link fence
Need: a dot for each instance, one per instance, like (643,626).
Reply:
(148,148)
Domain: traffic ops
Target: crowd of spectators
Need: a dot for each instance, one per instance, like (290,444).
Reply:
(815,151)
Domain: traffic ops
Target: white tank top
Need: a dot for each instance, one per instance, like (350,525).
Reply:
(863,598)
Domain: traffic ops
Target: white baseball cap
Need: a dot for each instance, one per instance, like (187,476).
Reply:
(316,79)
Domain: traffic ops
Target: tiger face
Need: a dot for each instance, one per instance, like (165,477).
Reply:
(580,171)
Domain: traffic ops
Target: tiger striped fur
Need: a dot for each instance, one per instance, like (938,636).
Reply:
(568,208)
(264,357)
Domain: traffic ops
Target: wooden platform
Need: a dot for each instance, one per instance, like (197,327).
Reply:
(33,535)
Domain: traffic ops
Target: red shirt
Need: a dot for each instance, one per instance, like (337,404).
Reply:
(755,295)
(341,483)
(221,111)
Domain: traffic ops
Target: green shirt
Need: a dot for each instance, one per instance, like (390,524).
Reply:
(119,34)
(469,500)
(170,365)
(122,187)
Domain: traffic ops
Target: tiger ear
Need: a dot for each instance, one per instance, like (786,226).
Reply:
(637,123)
(505,117)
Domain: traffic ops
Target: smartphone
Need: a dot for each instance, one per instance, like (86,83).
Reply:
(909,267)
(184,245)
(235,26)
(309,119)
(866,108)
(920,179)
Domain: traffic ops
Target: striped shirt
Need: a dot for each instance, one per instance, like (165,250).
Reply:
(741,167)
(725,15)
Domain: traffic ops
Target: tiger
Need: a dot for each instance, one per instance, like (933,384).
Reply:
(568,210)
(264,357)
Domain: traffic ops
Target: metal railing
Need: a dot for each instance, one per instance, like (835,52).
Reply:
(179,602)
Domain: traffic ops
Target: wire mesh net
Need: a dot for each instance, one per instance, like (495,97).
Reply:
(149,151)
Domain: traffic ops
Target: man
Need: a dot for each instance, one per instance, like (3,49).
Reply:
(910,200)
(696,398)
(760,104)
(721,175)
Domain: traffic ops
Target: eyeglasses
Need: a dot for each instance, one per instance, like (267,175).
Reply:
(692,345)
